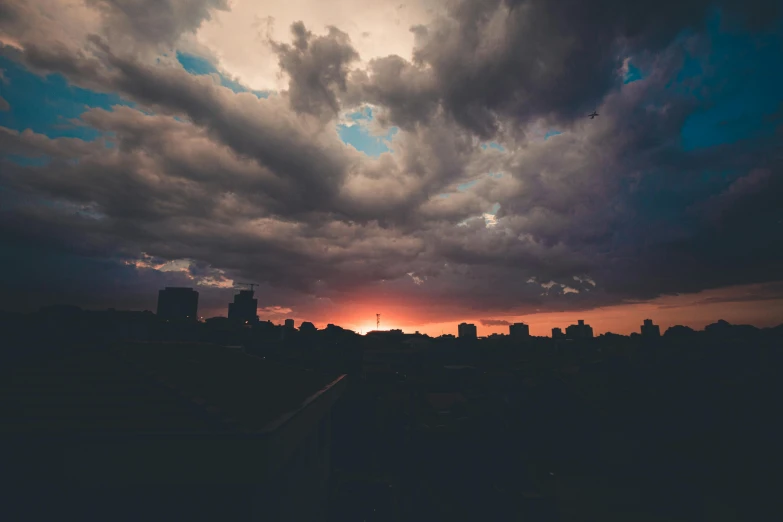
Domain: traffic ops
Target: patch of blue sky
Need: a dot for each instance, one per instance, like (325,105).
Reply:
(444,196)
(551,133)
(357,135)
(745,91)
(691,68)
(49,104)
(493,145)
(197,65)
(465,186)
(462,187)
(633,74)
(360,138)
(731,121)
(494,209)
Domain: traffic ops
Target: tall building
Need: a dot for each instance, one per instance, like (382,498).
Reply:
(519,331)
(244,307)
(289,323)
(650,330)
(467,331)
(557,333)
(178,303)
(579,331)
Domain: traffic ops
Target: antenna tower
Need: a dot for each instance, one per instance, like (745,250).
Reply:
(377,321)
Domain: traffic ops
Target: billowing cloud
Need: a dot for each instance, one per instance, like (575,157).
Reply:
(155,21)
(228,186)
(493,63)
(316,66)
(240,38)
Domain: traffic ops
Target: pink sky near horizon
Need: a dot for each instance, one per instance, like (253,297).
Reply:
(733,304)
(620,319)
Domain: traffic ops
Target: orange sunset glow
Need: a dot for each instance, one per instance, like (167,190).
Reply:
(737,305)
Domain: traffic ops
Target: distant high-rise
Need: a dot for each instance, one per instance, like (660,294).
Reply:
(178,303)
(579,331)
(519,331)
(289,323)
(650,330)
(557,333)
(244,307)
(467,331)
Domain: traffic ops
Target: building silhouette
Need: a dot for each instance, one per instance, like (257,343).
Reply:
(178,303)
(386,334)
(557,333)
(679,330)
(467,331)
(579,331)
(519,331)
(308,327)
(289,323)
(244,307)
(650,330)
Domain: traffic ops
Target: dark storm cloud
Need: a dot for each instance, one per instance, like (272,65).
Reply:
(93,280)
(262,190)
(316,66)
(155,21)
(488,62)
(161,198)
(308,167)
(766,292)
(407,93)
(29,143)
(14,12)
(306,174)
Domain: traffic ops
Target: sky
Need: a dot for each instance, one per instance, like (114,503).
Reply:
(430,161)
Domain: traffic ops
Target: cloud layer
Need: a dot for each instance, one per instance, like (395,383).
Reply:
(626,207)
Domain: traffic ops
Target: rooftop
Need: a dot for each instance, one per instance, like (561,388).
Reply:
(444,401)
(152,388)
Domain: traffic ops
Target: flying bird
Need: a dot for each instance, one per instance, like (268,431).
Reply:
(593,115)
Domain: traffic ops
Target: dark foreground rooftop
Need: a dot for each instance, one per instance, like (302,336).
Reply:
(136,388)
(162,431)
